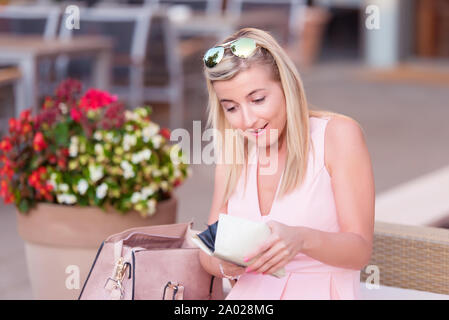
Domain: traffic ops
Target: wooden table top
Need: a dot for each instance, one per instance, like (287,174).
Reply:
(39,46)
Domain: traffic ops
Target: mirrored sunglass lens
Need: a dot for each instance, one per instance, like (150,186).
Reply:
(243,47)
(213,56)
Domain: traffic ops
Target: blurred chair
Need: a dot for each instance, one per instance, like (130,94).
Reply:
(207,6)
(30,20)
(33,20)
(285,30)
(132,29)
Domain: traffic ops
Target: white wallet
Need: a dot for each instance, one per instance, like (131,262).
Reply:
(236,238)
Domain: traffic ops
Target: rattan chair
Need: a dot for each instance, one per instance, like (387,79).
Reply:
(411,257)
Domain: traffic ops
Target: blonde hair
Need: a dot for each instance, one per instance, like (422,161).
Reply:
(268,53)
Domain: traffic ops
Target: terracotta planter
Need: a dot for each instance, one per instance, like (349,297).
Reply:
(61,242)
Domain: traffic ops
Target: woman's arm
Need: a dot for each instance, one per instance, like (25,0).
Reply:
(350,168)
(211,264)
(348,162)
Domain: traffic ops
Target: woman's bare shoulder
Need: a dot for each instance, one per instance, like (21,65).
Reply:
(344,137)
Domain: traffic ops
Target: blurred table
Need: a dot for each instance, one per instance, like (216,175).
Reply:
(27,51)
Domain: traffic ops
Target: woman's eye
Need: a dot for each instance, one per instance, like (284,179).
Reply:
(231,109)
(260,100)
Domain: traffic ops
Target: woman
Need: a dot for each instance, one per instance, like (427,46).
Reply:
(318,200)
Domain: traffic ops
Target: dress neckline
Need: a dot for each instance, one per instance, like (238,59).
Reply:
(273,204)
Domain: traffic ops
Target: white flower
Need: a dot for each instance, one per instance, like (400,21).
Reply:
(98,135)
(149,131)
(164,185)
(82,186)
(63,187)
(73,150)
(63,108)
(128,171)
(147,191)
(146,154)
(140,156)
(136,197)
(129,140)
(156,173)
(116,139)
(157,139)
(129,128)
(53,184)
(70,199)
(66,198)
(151,204)
(96,172)
(129,115)
(99,149)
(109,136)
(101,190)
(136,158)
(177,173)
(74,140)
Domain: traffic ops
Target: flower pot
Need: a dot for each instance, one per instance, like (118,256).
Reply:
(61,242)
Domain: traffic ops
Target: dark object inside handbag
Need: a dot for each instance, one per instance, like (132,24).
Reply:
(208,236)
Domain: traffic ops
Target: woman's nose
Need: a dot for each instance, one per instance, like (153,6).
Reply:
(249,118)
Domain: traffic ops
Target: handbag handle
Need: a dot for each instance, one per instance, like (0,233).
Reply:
(178,291)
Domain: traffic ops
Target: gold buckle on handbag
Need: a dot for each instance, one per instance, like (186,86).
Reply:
(119,275)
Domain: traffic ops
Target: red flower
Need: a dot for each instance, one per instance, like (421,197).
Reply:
(165,133)
(4,190)
(96,99)
(65,152)
(5,145)
(62,163)
(52,159)
(76,114)
(25,115)
(9,198)
(26,128)
(177,182)
(39,143)
(12,125)
(48,103)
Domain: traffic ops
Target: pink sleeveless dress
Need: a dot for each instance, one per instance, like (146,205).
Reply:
(311,205)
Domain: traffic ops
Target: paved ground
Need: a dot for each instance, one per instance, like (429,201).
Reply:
(405,126)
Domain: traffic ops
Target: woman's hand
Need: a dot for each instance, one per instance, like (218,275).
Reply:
(284,243)
(230,269)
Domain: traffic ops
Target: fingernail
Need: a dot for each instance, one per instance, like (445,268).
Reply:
(245,259)
(248,269)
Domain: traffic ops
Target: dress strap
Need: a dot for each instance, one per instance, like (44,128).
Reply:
(318,138)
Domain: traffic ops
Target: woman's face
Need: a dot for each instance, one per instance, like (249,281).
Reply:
(254,103)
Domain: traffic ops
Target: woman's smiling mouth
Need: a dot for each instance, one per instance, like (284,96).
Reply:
(259,131)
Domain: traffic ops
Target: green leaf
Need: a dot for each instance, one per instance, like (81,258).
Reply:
(24,205)
(62,134)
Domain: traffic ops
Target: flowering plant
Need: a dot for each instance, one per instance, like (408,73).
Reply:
(88,150)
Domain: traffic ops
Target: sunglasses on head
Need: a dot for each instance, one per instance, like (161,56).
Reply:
(242,47)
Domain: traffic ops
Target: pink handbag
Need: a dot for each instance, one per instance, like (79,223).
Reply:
(150,263)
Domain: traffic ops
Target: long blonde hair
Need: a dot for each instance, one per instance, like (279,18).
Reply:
(268,53)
